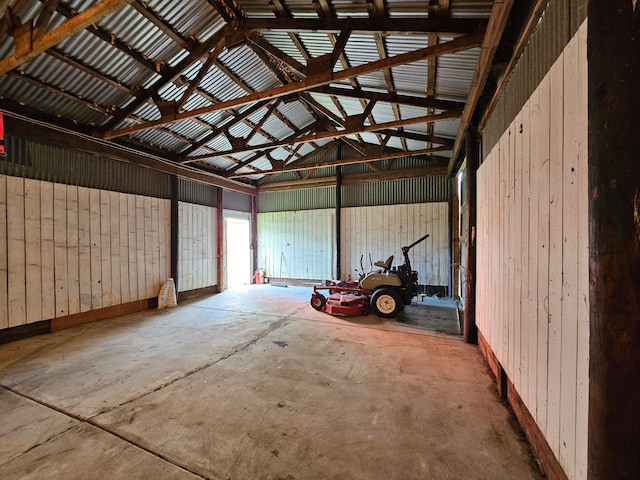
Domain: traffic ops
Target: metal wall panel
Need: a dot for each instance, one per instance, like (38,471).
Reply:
(557,26)
(237,201)
(296,200)
(381,231)
(298,245)
(412,190)
(38,161)
(197,193)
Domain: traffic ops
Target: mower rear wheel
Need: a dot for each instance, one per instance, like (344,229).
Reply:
(386,302)
(318,301)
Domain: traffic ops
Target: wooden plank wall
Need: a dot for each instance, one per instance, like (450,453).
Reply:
(72,249)
(532,240)
(297,245)
(383,230)
(197,254)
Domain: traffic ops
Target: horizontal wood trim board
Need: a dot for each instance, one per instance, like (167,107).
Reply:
(102,314)
(198,292)
(14,334)
(541,449)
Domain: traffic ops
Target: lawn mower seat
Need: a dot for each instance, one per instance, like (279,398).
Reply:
(386,264)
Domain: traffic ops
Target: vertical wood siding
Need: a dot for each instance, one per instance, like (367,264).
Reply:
(383,230)
(72,249)
(197,254)
(532,241)
(298,245)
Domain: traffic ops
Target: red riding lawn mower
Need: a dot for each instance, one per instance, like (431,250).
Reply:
(386,292)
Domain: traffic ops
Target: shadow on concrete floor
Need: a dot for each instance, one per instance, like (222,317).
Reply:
(434,314)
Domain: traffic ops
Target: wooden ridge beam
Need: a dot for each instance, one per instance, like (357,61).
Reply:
(458,44)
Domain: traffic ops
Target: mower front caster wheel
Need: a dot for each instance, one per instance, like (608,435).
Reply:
(318,301)
(386,303)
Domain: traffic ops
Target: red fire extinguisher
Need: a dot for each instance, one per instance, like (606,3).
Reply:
(259,276)
(2,150)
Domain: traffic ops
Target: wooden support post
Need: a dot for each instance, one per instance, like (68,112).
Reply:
(254,233)
(220,238)
(613,51)
(454,238)
(338,214)
(175,230)
(470,332)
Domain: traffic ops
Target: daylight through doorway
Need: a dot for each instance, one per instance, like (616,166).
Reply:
(238,252)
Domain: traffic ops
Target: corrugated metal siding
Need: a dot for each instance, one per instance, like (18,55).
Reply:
(237,201)
(197,193)
(52,164)
(557,26)
(413,190)
(292,200)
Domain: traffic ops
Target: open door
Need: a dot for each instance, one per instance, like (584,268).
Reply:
(237,251)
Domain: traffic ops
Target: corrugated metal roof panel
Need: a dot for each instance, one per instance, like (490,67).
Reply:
(105,58)
(246,65)
(455,73)
(222,163)
(143,36)
(296,114)
(407,8)
(361,49)
(187,16)
(282,41)
(154,53)
(471,9)
(220,86)
(317,44)
(277,128)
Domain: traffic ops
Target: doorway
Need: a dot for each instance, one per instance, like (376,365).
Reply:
(237,251)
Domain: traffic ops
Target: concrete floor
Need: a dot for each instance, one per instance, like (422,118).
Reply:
(252,384)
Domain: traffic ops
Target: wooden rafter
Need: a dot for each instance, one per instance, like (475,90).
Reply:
(114,42)
(214,43)
(459,44)
(27,47)
(359,178)
(233,120)
(332,134)
(342,162)
(497,24)
(144,10)
(329,24)
(55,53)
(62,93)
(388,97)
